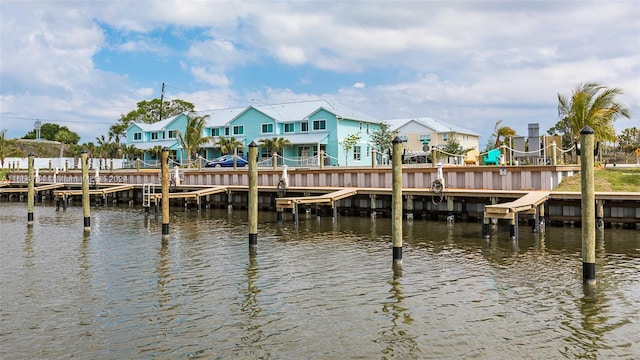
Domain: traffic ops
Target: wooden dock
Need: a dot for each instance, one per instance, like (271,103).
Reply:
(329,198)
(526,204)
(36,189)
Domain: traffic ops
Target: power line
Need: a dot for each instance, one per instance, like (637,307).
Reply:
(55,120)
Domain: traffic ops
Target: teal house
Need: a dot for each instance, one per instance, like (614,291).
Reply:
(309,126)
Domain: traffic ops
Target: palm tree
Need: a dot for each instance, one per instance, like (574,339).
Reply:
(592,105)
(192,139)
(274,145)
(229,145)
(3,146)
(501,133)
(117,131)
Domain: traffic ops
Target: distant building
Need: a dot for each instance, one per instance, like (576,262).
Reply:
(420,134)
(310,127)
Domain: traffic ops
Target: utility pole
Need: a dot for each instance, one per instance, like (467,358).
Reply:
(161,100)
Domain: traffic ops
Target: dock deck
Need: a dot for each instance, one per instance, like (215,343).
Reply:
(330,198)
(527,204)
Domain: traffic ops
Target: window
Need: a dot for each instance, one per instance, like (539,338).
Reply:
(154,136)
(423,137)
(137,136)
(238,130)
(304,126)
(226,131)
(360,125)
(367,128)
(172,134)
(289,128)
(357,153)
(444,137)
(404,138)
(267,128)
(264,152)
(319,124)
(215,132)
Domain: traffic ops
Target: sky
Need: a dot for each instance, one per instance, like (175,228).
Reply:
(83,64)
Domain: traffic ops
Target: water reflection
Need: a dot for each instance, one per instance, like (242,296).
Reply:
(397,340)
(252,332)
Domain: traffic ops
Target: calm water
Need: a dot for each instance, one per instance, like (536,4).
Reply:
(322,290)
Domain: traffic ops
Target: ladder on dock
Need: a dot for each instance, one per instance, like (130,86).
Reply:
(147,191)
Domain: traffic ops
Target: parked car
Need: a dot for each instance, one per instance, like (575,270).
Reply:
(227,161)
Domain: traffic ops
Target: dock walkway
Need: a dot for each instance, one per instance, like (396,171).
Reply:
(531,203)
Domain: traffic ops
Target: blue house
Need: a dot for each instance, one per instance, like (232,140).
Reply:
(310,127)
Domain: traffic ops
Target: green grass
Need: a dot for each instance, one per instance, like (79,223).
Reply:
(622,179)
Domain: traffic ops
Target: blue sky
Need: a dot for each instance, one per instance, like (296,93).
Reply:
(82,64)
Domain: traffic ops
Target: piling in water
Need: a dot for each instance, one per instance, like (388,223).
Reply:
(588,206)
(86,201)
(253,195)
(165,191)
(30,190)
(396,200)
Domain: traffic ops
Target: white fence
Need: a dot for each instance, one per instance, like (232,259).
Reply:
(59,163)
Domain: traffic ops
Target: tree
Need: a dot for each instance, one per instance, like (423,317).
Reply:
(501,133)
(274,145)
(192,139)
(50,131)
(348,143)
(130,151)
(563,128)
(381,138)
(149,111)
(117,131)
(629,139)
(453,145)
(4,150)
(592,105)
(229,145)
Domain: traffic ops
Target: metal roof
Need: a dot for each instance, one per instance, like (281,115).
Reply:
(433,124)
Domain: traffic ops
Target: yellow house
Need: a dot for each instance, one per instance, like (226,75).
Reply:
(420,134)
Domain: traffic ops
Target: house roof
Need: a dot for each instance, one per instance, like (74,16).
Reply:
(299,139)
(156,126)
(285,112)
(433,124)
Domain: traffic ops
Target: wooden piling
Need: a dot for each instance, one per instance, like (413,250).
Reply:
(253,195)
(372,205)
(396,200)
(30,189)
(409,200)
(321,159)
(164,166)
(554,157)
(588,228)
(86,201)
(374,161)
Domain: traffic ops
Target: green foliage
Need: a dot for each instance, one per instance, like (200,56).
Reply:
(348,143)
(149,111)
(274,145)
(629,139)
(592,105)
(229,145)
(500,134)
(54,132)
(453,145)
(192,139)
(381,138)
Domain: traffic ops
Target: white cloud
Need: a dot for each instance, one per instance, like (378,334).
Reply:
(470,62)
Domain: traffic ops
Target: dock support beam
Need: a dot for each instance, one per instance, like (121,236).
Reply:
(588,228)
(600,214)
(409,200)
(30,190)
(373,205)
(165,191)
(396,200)
(253,195)
(86,199)
(450,217)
